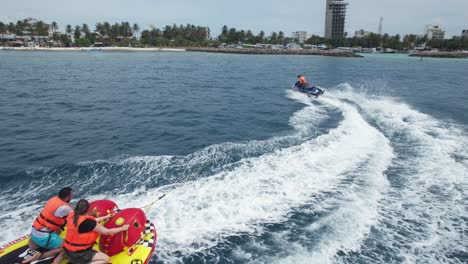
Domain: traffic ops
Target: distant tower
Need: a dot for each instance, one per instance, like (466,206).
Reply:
(380,26)
(335,18)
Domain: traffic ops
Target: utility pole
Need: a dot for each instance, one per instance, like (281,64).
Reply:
(380,26)
(380,31)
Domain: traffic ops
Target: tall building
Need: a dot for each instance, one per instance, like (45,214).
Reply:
(434,32)
(335,18)
(301,36)
(380,25)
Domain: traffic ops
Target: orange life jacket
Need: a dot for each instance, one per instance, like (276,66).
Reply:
(75,241)
(47,218)
(302,80)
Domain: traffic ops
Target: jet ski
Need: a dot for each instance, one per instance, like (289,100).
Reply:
(315,91)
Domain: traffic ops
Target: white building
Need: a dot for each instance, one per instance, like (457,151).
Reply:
(434,32)
(361,33)
(301,36)
(464,33)
(293,46)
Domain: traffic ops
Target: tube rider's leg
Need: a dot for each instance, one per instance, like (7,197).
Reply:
(47,254)
(100,258)
(36,255)
(59,257)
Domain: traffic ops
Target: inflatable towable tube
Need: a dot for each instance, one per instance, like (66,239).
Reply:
(136,245)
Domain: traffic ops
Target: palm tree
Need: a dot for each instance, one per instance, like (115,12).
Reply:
(3,29)
(28,24)
(125,29)
(114,31)
(232,35)
(99,28)
(54,27)
(241,35)
(41,28)
(281,37)
(77,32)
(11,29)
(107,28)
(261,36)
(136,29)
(19,28)
(69,29)
(224,30)
(86,31)
(273,38)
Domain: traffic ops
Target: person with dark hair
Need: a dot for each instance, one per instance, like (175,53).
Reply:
(82,232)
(47,226)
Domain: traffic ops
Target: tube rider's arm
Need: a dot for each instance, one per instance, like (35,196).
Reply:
(105,231)
(62,212)
(100,219)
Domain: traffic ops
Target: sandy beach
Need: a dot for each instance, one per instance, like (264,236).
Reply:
(92,49)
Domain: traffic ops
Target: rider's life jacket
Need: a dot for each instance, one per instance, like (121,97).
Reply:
(302,80)
(76,241)
(47,218)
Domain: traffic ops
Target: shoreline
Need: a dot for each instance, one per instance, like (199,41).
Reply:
(254,51)
(441,54)
(243,51)
(92,49)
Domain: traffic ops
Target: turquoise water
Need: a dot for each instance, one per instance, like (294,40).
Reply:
(372,172)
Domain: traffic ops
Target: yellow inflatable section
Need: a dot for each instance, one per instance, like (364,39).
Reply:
(140,253)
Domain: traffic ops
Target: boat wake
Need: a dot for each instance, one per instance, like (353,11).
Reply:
(358,179)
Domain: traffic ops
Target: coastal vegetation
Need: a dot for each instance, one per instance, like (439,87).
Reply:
(233,36)
(395,42)
(188,35)
(125,34)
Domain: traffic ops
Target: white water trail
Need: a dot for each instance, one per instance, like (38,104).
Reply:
(201,214)
(17,220)
(422,215)
(419,218)
(357,209)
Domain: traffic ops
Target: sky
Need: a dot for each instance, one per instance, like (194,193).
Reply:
(399,16)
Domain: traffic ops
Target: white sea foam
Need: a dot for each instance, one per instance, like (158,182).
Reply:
(419,221)
(140,167)
(200,214)
(357,209)
(306,120)
(422,219)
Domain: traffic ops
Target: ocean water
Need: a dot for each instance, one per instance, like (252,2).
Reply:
(375,171)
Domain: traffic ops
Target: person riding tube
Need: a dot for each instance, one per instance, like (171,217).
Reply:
(48,224)
(82,232)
